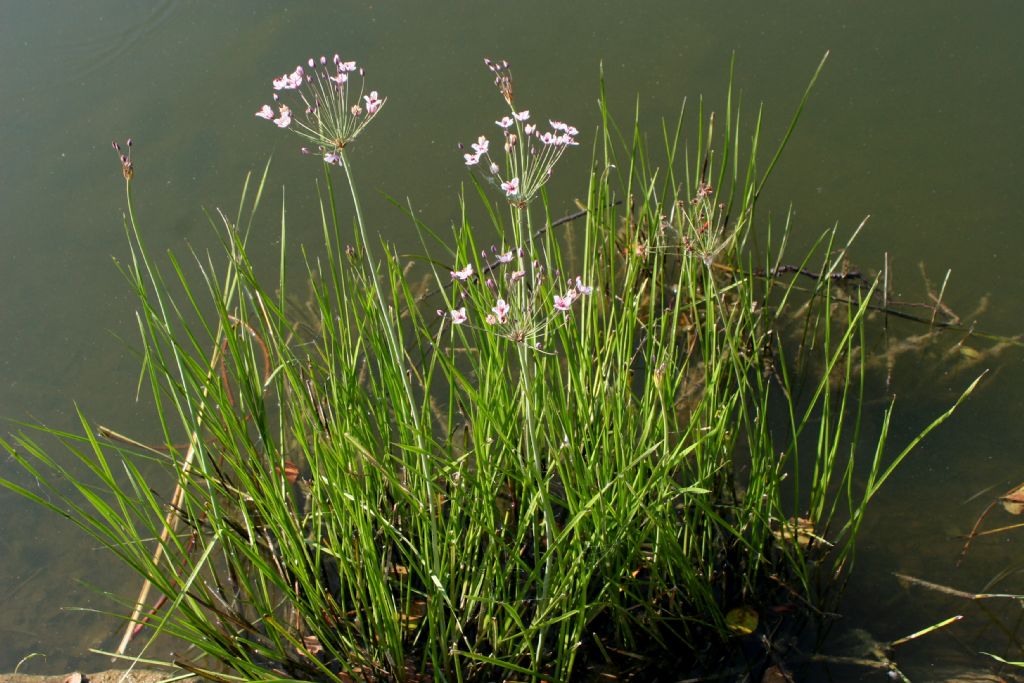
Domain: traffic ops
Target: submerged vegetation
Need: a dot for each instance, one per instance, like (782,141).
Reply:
(616,437)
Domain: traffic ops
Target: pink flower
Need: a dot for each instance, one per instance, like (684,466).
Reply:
(373,102)
(481,145)
(563,303)
(285,118)
(340,78)
(506,122)
(345,66)
(582,288)
(505,258)
(459,316)
(289,81)
(333,158)
(463,274)
(511,187)
(494,168)
(501,310)
(516,276)
(523,115)
(564,127)
(265,112)
(472,159)
(529,128)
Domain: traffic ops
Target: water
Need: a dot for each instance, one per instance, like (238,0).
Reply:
(915,122)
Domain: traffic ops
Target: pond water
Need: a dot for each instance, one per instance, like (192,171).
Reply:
(915,121)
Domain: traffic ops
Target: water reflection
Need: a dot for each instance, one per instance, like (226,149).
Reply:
(122,34)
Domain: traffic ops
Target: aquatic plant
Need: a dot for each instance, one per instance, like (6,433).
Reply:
(571,468)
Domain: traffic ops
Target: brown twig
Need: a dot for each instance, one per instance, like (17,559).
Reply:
(974,532)
(939,588)
(137,621)
(171,520)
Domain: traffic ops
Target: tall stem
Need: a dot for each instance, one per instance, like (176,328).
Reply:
(522,231)
(397,352)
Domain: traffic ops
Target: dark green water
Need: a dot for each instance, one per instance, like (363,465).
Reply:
(916,121)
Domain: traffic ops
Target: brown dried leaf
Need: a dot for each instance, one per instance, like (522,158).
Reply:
(312,645)
(290,471)
(799,530)
(775,674)
(741,620)
(1013,502)
(417,610)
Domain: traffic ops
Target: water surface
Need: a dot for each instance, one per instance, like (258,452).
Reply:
(915,121)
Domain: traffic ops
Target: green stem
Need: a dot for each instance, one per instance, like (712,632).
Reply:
(398,359)
(522,230)
(397,353)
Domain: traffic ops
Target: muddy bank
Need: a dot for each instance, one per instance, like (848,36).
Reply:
(111,676)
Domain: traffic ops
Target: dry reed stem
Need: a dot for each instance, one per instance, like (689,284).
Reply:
(171,520)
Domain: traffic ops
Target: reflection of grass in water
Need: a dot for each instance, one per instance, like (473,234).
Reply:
(541,494)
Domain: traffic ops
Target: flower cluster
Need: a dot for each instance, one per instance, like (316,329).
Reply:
(697,226)
(529,154)
(517,311)
(576,289)
(333,111)
(127,167)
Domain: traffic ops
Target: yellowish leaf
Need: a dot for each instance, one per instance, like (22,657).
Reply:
(741,620)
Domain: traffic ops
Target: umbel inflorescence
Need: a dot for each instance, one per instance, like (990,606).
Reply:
(519,311)
(529,155)
(327,109)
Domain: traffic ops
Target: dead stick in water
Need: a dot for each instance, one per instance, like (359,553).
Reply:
(137,620)
(171,521)
(939,588)
(110,434)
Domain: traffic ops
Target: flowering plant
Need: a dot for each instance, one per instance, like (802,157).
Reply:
(519,311)
(374,502)
(530,156)
(332,116)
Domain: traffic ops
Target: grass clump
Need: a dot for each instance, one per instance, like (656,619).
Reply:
(584,458)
